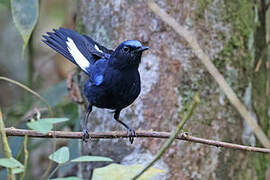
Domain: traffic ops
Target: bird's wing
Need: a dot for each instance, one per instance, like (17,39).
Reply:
(97,49)
(98,71)
(79,49)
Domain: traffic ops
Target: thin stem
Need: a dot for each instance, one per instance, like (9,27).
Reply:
(29,90)
(26,153)
(55,169)
(180,126)
(50,162)
(6,148)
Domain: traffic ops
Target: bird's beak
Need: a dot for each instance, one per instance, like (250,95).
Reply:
(141,49)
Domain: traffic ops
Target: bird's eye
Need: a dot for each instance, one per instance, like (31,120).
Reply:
(126,49)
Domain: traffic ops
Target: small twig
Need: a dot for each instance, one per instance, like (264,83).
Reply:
(260,60)
(139,134)
(189,37)
(166,146)
(267,88)
(259,63)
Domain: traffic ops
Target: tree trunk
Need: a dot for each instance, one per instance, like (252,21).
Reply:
(233,34)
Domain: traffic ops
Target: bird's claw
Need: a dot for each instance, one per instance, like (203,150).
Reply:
(131,134)
(85,135)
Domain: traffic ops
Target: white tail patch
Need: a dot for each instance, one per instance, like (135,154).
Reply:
(97,48)
(77,55)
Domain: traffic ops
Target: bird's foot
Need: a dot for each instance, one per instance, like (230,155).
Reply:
(85,135)
(131,133)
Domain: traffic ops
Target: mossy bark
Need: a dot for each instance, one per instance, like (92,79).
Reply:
(260,78)
(233,34)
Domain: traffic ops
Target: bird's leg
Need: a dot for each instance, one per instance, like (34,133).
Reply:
(131,131)
(84,124)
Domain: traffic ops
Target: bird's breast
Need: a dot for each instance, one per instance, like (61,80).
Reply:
(126,88)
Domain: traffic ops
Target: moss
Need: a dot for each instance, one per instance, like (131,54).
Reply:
(237,51)
(241,51)
(202,6)
(260,164)
(80,27)
(241,15)
(260,101)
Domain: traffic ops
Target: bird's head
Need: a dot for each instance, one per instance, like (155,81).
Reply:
(129,53)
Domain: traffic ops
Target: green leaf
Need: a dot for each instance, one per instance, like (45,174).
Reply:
(54,120)
(117,171)
(45,125)
(68,178)
(61,155)
(25,15)
(91,159)
(10,163)
(40,126)
(17,170)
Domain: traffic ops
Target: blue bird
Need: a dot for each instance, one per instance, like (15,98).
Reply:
(114,80)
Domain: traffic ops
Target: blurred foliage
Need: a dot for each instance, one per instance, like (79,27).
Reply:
(67,178)
(117,171)
(25,16)
(12,163)
(45,125)
(4,4)
(48,81)
(62,157)
(91,159)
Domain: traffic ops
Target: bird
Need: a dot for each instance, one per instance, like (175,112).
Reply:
(113,78)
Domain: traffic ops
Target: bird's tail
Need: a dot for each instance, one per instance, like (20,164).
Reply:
(57,41)
(71,45)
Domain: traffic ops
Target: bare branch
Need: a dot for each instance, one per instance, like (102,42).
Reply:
(139,134)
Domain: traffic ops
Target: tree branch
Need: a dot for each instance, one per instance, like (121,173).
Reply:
(139,134)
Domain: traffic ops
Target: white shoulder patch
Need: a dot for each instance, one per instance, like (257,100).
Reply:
(96,47)
(77,55)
